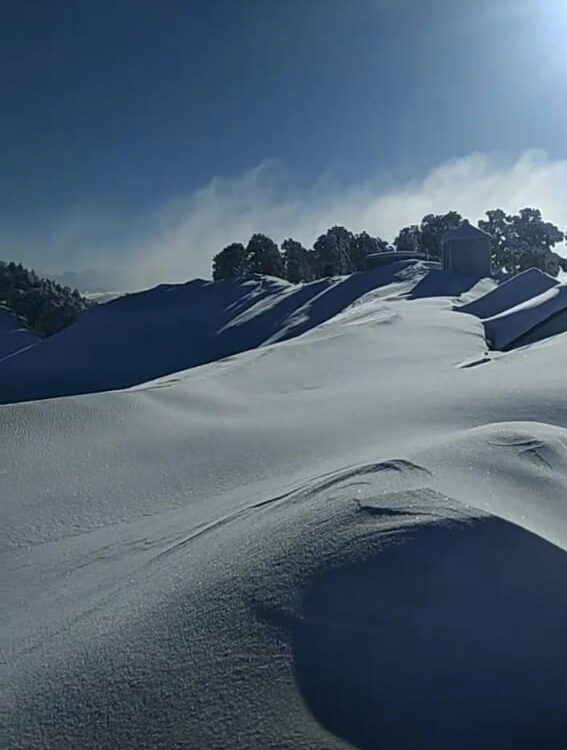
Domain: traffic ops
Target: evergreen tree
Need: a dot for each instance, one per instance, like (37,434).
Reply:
(230,262)
(522,240)
(410,240)
(45,306)
(363,245)
(298,262)
(332,252)
(263,256)
(433,228)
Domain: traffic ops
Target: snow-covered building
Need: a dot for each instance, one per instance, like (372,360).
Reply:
(514,291)
(533,320)
(467,250)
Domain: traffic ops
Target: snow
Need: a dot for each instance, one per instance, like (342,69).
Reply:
(508,326)
(520,288)
(139,337)
(102,297)
(340,538)
(515,307)
(14,336)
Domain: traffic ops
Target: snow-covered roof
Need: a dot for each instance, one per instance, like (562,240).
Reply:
(465,232)
(508,326)
(520,288)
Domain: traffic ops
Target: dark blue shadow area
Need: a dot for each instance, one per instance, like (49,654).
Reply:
(453,639)
(439,283)
(510,292)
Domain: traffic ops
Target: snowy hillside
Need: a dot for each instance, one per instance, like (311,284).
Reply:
(140,337)
(351,534)
(14,336)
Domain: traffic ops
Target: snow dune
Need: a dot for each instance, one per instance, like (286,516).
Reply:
(340,539)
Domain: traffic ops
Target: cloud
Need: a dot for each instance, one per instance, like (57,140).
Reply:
(178,240)
(188,231)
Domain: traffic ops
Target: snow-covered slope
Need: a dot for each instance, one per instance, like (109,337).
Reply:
(524,309)
(14,336)
(520,288)
(510,325)
(139,337)
(102,297)
(343,539)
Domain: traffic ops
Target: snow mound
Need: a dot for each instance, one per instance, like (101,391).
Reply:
(508,328)
(368,608)
(143,336)
(515,291)
(14,336)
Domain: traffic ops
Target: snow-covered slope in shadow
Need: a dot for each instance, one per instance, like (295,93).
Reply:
(139,337)
(14,336)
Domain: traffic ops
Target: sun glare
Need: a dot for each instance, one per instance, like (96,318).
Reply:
(548,30)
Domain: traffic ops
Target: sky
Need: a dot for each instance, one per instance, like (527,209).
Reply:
(140,137)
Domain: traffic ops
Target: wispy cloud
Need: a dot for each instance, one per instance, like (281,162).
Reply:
(187,232)
(178,240)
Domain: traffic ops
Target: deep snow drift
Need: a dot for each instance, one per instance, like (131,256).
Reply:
(341,539)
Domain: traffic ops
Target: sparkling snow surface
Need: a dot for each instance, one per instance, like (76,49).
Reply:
(351,534)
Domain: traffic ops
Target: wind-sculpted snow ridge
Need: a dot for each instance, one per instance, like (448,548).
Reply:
(139,337)
(414,602)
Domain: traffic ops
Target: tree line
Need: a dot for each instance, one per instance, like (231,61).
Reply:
(520,241)
(45,306)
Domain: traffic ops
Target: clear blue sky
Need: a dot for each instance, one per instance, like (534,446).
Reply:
(124,105)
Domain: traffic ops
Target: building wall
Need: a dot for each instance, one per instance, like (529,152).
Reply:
(468,257)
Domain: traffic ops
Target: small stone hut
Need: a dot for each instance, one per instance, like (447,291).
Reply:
(467,250)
